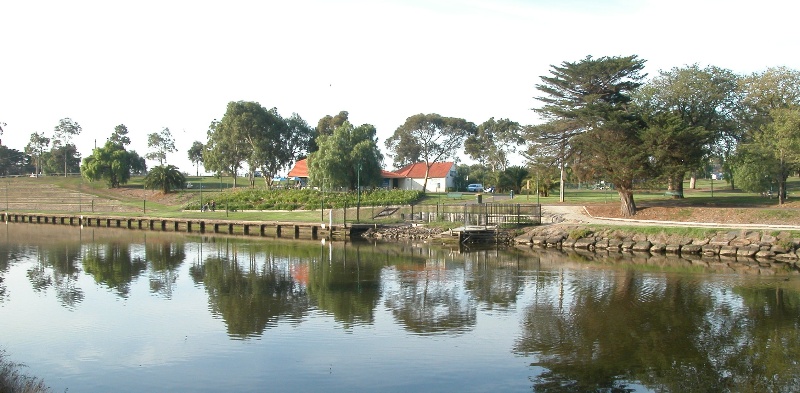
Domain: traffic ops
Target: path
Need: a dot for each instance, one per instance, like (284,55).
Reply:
(570,214)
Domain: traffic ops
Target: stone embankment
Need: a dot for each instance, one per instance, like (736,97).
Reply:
(401,232)
(742,243)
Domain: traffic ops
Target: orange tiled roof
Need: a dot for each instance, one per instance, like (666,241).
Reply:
(300,169)
(417,171)
(414,171)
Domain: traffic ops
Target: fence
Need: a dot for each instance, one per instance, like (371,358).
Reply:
(500,214)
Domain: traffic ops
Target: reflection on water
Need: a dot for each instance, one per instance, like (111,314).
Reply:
(136,310)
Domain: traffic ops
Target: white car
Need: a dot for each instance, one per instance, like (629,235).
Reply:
(476,187)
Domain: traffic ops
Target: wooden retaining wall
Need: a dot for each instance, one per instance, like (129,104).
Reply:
(188,225)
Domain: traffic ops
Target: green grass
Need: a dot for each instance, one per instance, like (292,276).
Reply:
(272,205)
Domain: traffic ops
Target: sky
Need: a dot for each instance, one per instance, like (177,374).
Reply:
(176,64)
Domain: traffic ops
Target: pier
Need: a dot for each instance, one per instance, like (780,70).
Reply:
(287,230)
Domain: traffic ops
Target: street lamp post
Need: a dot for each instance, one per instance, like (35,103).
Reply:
(358,195)
(712,186)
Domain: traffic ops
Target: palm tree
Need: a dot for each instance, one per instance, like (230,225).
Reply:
(512,178)
(165,177)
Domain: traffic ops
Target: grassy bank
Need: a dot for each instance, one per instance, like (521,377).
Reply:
(13,380)
(244,203)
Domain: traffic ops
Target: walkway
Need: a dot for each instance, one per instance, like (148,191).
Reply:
(567,214)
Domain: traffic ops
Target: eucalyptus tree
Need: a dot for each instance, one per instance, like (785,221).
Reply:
(196,154)
(760,94)
(227,148)
(13,162)
(249,133)
(588,104)
(772,154)
(161,143)
(53,160)
(347,158)
(35,148)
(277,143)
(549,148)
(120,136)
(768,117)
(429,138)
(493,141)
(62,136)
(325,126)
(688,110)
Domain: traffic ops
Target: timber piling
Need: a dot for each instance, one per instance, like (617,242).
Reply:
(293,230)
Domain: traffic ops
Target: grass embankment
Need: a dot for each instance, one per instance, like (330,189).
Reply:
(244,203)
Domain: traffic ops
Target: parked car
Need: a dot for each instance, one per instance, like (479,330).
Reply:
(476,187)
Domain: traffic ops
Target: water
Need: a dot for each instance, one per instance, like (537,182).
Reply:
(99,310)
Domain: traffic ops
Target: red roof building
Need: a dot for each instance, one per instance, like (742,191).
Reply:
(441,176)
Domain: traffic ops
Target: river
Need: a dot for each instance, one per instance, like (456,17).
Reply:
(101,309)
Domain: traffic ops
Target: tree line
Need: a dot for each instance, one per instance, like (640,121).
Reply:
(601,121)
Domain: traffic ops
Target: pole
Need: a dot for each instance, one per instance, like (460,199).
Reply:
(712,187)
(201,194)
(144,202)
(358,197)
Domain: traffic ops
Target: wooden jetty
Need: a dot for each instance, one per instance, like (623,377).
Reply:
(477,234)
(293,230)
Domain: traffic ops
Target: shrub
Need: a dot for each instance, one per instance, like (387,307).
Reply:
(576,234)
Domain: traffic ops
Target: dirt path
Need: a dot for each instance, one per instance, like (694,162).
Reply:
(569,214)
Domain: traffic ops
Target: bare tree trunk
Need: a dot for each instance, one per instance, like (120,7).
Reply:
(627,205)
(692,182)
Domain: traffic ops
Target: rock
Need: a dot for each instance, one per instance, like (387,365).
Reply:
(727,251)
(764,254)
(672,248)
(642,246)
(767,240)
(585,243)
(786,257)
(554,241)
(708,249)
(691,249)
(721,239)
(740,242)
(747,251)
(658,248)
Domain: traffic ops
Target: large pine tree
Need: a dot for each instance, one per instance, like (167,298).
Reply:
(592,98)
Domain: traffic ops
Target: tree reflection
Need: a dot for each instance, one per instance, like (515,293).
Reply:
(493,279)
(430,298)
(57,267)
(112,265)
(251,299)
(164,257)
(347,285)
(762,352)
(670,334)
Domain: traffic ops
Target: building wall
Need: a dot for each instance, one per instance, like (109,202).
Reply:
(416,184)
